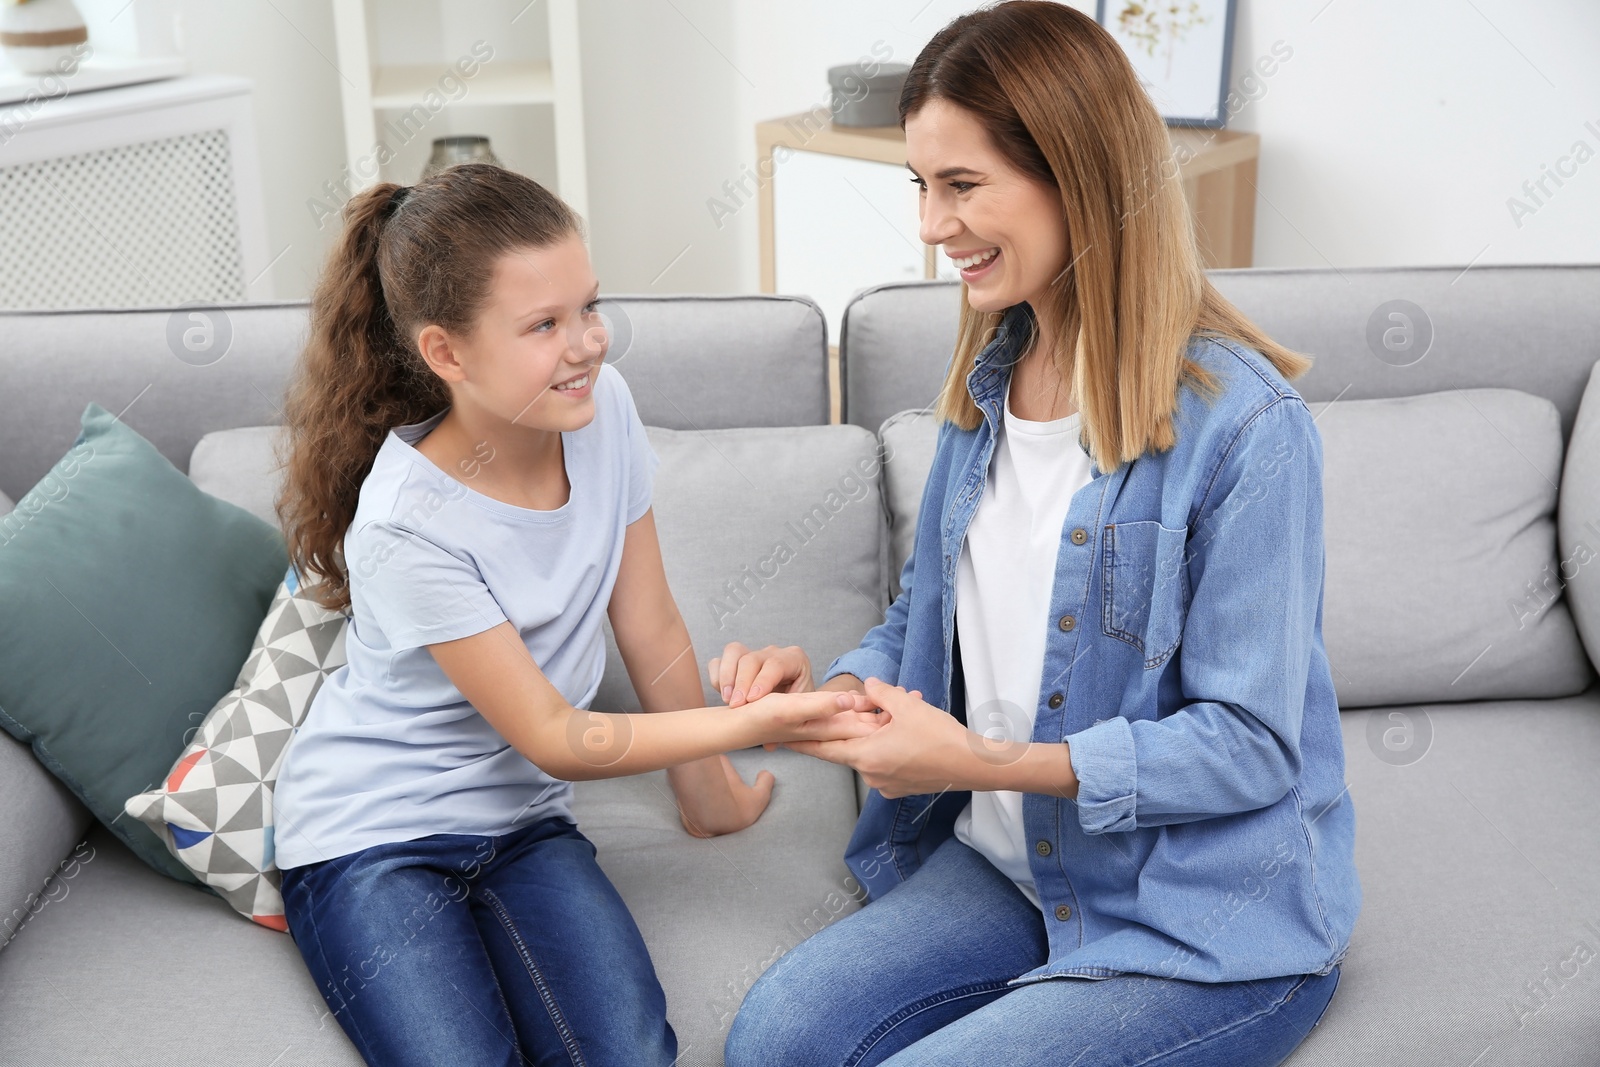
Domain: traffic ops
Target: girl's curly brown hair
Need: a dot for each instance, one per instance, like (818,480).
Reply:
(408,257)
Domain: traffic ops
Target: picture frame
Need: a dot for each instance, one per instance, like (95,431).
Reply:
(1182,51)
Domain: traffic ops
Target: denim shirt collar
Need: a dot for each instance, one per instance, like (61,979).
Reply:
(991,369)
(986,382)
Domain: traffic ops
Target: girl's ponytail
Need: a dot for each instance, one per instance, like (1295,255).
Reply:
(408,257)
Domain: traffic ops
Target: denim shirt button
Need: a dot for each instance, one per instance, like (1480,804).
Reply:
(1042,848)
(1067,622)
(1079,535)
(1055,700)
(1063,912)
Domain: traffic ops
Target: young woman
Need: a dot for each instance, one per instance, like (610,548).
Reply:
(474,485)
(1113,827)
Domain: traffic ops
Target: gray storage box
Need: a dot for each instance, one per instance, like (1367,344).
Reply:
(867,100)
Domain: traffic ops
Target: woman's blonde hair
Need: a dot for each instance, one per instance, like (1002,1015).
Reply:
(1063,105)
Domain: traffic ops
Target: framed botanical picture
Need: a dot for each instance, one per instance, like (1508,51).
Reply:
(1181,50)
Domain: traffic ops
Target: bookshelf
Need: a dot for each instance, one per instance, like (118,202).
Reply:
(414,70)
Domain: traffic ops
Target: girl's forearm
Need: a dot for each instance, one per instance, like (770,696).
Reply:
(663,668)
(579,745)
(666,676)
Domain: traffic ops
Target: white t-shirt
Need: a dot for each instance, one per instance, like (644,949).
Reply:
(390,750)
(1003,585)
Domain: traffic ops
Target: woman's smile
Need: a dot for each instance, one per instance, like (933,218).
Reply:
(977,264)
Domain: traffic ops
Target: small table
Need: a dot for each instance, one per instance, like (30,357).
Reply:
(1218,169)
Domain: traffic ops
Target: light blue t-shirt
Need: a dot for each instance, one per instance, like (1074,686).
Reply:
(390,750)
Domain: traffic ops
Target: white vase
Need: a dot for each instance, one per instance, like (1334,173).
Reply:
(38,35)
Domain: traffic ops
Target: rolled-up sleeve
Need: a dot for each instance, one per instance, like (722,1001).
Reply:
(1255,562)
(1107,769)
(865,662)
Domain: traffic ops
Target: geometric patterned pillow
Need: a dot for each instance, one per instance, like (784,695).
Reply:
(214,810)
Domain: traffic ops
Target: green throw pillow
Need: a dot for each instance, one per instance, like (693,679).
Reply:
(129,600)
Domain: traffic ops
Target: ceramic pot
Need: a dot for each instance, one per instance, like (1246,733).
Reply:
(39,35)
(448,151)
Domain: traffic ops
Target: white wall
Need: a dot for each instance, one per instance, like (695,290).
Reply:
(1395,134)
(1398,131)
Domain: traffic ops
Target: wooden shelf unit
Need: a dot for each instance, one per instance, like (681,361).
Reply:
(369,85)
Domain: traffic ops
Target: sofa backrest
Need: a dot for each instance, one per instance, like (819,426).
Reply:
(693,363)
(1533,328)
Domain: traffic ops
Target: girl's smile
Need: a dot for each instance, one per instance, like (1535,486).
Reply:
(576,387)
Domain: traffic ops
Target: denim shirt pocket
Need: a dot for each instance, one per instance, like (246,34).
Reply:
(1146,586)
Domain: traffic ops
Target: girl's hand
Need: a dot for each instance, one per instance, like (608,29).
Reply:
(742,675)
(921,749)
(824,716)
(713,799)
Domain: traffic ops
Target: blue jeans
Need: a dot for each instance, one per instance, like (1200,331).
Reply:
(459,949)
(918,976)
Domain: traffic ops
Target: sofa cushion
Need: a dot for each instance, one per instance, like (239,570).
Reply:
(1441,549)
(128,601)
(1579,518)
(716,912)
(1439,523)
(769,536)
(1479,935)
(40,821)
(907,440)
(241,467)
(214,809)
(129,968)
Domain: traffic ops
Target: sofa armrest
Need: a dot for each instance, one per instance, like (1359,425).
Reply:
(40,822)
(1578,519)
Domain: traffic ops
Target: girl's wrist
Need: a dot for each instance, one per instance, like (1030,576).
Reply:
(695,776)
(755,724)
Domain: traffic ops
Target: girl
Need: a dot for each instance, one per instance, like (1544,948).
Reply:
(470,481)
(1116,831)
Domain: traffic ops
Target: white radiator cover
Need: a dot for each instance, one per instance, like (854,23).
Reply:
(141,196)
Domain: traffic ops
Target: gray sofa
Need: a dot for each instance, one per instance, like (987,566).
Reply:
(1460,602)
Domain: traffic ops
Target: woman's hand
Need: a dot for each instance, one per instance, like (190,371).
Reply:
(920,749)
(742,675)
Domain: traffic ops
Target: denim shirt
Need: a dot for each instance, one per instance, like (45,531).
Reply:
(1212,837)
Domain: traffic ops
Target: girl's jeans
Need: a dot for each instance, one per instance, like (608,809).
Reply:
(459,949)
(918,976)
